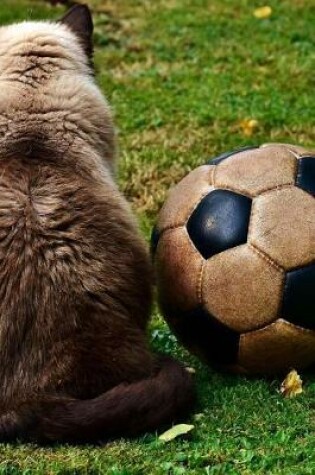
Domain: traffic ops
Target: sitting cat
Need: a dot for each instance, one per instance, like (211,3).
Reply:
(75,276)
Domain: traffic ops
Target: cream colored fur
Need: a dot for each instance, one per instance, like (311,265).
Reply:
(47,92)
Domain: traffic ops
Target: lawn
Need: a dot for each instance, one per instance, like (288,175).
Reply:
(189,79)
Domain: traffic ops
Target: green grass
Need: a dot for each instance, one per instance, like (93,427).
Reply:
(182,75)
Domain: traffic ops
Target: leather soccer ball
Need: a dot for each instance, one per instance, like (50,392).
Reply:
(234,249)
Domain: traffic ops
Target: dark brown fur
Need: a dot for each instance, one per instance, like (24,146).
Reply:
(75,294)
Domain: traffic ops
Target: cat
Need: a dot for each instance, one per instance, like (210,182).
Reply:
(75,274)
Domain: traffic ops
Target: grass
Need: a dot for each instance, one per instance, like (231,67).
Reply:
(183,76)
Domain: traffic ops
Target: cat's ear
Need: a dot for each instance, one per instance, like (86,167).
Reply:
(79,20)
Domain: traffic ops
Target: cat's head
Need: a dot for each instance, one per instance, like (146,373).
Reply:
(69,41)
(48,98)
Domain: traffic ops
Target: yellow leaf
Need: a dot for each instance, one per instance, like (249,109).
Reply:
(248,126)
(263,12)
(292,385)
(176,431)
(190,370)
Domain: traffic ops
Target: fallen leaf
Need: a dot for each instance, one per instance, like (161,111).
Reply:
(248,126)
(292,385)
(176,431)
(263,12)
(190,370)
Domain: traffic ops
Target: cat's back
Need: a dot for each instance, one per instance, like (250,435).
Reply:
(39,215)
(42,238)
(32,248)
(58,227)
(74,272)
(66,246)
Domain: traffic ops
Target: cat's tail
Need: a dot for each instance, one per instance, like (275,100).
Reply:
(125,410)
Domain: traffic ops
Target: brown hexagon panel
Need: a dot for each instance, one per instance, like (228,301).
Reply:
(242,289)
(283,226)
(276,348)
(301,151)
(178,270)
(254,171)
(297,150)
(185,196)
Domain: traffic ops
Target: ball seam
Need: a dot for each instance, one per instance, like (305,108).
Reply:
(277,188)
(199,284)
(266,258)
(271,324)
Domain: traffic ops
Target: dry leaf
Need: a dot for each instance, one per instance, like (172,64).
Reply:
(263,12)
(176,431)
(292,385)
(248,126)
(190,370)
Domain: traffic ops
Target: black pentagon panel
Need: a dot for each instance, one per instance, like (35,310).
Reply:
(306,174)
(155,236)
(224,156)
(299,301)
(219,222)
(207,337)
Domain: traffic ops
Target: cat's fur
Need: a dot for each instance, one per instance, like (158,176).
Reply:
(75,276)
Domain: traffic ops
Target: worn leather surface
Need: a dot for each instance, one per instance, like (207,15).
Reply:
(178,269)
(283,226)
(242,289)
(185,196)
(280,346)
(246,288)
(255,171)
(297,150)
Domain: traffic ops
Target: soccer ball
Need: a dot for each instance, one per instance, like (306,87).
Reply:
(234,249)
